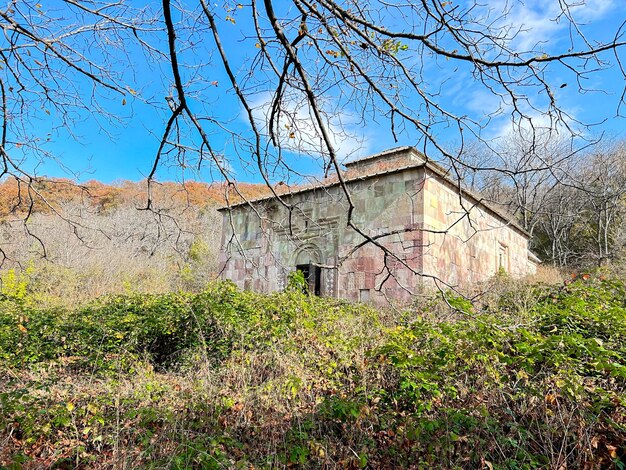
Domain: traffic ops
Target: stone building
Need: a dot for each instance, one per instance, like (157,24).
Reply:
(410,226)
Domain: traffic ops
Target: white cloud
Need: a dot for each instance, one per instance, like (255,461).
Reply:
(537,24)
(592,10)
(533,120)
(542,27)
(296,128)
(481,101)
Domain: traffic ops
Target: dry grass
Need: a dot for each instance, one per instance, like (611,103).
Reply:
(120,251)
(547,274)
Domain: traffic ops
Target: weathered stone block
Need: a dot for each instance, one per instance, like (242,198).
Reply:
(408,193)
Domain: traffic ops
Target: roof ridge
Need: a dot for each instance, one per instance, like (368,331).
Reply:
(385,153)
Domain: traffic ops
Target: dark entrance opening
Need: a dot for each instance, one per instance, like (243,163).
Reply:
(313,277)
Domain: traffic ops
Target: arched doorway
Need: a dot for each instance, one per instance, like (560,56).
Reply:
(307,260)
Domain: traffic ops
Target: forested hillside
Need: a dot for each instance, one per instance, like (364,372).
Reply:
(79,241)
(571,200)
(46,195)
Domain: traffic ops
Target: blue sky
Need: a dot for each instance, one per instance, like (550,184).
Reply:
(125,150)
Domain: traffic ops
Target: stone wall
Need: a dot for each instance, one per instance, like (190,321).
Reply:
(388,207)
(268,241)
(414,213)
(465,242)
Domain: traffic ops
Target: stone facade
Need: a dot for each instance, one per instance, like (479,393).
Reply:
(433,231)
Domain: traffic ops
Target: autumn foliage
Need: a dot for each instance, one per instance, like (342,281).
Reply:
(49,195)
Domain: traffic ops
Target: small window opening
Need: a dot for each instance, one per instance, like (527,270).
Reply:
(503,257)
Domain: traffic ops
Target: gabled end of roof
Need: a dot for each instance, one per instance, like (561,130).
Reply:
(404,151)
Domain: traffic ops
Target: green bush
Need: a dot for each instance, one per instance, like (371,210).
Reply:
(229,378)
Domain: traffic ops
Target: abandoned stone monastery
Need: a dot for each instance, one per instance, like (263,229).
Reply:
(411,226)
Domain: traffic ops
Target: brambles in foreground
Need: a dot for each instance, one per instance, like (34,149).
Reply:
(226,378)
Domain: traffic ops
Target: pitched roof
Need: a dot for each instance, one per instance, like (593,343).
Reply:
(380,164)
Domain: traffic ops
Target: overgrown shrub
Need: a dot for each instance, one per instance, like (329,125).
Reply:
(228,378)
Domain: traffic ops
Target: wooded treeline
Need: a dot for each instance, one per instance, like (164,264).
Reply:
(572,202)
